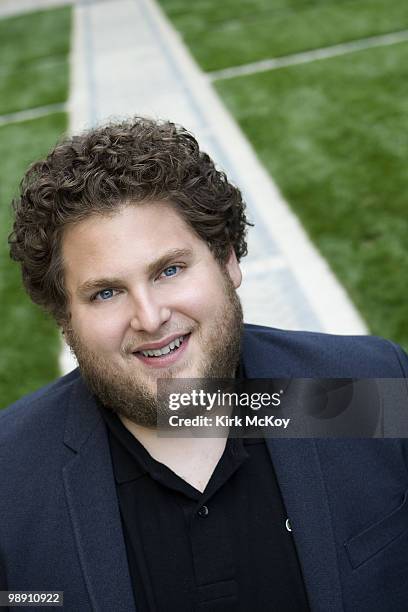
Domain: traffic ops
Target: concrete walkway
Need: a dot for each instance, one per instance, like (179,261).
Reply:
(127,60)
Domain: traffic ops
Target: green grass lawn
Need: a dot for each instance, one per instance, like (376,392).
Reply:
(34,59)
(50,85)
(28,338)
(33,72)
(333,134)
(235,32)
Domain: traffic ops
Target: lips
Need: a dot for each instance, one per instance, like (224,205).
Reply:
(170,346)
(163,353)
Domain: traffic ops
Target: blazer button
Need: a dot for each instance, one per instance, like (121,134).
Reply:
(288,525)
(203,512)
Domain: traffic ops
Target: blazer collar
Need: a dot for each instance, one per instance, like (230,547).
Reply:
(83,415)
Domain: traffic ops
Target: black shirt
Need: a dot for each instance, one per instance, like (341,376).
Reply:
(226,549)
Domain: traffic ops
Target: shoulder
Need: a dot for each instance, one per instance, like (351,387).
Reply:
(38,435)
(311,354)
(35,412)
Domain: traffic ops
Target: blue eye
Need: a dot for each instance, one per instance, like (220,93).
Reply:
(105,294)
(170,271)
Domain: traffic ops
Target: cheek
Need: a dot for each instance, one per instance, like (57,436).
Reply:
(200,301)
(99,328)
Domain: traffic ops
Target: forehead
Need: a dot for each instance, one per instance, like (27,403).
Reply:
(136,234)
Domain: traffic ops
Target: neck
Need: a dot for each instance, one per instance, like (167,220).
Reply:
(193,459)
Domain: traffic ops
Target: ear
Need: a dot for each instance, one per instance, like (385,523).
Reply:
(233,269)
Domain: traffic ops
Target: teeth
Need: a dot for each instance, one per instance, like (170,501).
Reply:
(165,349)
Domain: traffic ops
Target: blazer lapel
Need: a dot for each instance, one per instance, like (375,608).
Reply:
(93,507)
(297,466)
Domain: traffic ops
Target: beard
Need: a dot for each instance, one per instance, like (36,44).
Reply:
(129,393)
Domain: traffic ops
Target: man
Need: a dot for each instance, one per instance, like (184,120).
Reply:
(131,239)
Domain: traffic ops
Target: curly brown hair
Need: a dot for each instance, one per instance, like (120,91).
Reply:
(105,168)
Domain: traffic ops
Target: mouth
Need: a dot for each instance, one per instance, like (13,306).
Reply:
(165,355)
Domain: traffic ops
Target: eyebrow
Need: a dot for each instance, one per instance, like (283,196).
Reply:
(153,268)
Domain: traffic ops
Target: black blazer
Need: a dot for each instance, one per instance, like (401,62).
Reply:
(347,500)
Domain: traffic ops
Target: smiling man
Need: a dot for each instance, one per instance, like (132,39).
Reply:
(131,239)
(148,300)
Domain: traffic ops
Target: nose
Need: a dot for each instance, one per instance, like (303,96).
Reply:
(148,312)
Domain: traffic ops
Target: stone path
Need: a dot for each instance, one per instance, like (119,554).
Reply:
(126,60)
